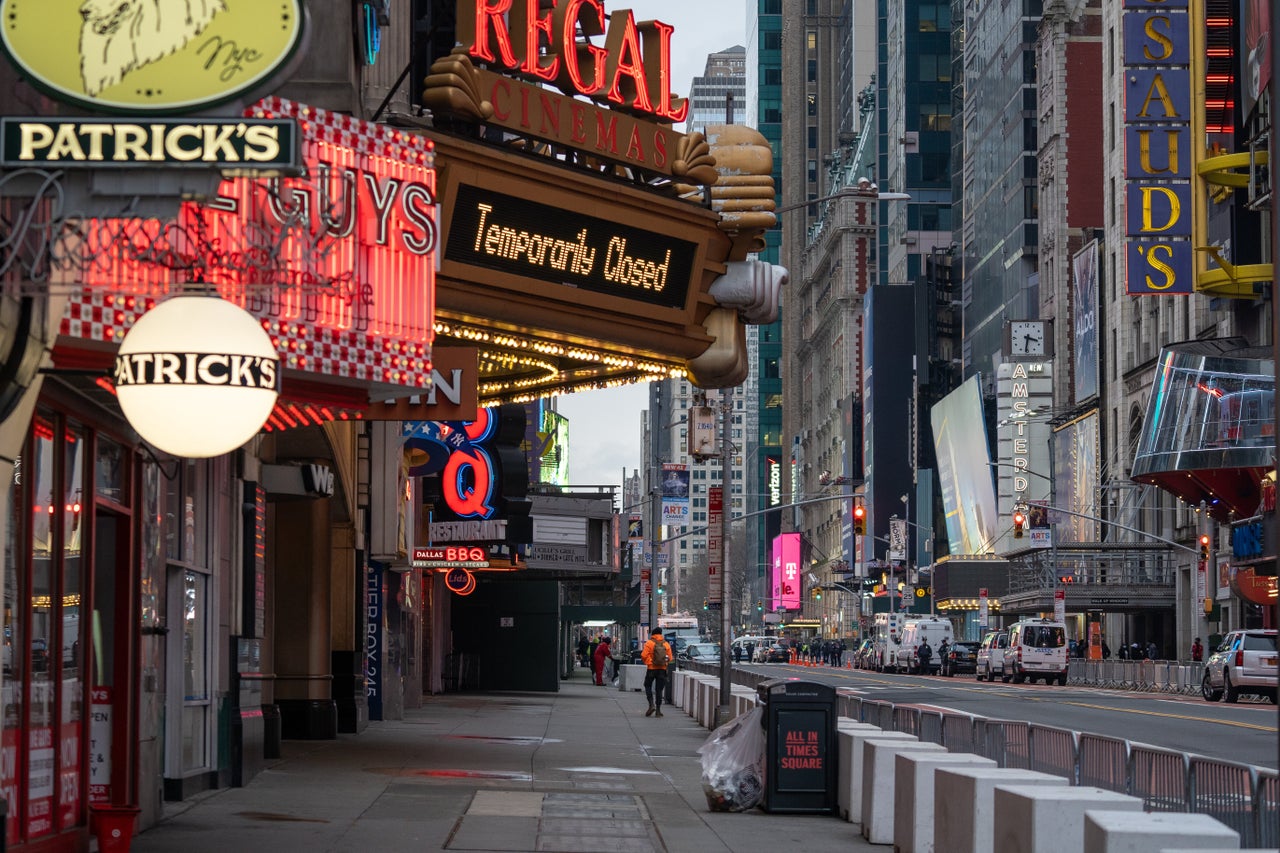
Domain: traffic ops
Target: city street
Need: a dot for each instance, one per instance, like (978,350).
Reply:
(1245,732)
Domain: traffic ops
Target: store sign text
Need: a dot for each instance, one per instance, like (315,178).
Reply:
(529,239)
(631,69)
(242,144)
(1157,58)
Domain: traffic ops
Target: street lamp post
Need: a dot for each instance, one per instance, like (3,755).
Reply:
(726,504)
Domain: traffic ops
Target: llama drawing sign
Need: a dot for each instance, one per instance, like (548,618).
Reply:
(150,56)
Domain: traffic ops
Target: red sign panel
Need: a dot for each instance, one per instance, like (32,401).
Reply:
(339,264)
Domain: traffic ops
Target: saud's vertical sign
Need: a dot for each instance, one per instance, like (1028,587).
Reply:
(1157,114)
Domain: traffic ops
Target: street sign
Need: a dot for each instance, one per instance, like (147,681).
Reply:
(1059,605)
(982,607)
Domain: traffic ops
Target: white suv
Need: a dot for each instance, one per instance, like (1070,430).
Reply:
(1244,663)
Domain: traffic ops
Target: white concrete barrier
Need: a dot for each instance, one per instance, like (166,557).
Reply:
(878,774)
(631,676)
(962,821)
(1143,832)
(845,741)
(854,768)
(913,798)
(1048,820)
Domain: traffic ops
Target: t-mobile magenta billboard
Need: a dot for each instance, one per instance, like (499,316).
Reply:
(786,571)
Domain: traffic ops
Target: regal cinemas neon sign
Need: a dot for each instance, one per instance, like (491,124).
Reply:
(631,68)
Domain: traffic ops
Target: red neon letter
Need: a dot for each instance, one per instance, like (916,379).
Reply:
(657,37)
(568,19)
(624,60)
(489,13)
(468,501)
(537,31)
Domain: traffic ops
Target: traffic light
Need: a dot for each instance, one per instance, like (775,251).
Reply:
(704,604)
(1204,546)
(1019,520)
(759,605)
(859,520)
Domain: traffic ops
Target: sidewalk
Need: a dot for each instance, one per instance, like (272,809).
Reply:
(578,770)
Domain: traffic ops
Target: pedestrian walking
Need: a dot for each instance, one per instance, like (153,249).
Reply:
(751,652)
(737,653)
(1197,651)
(925,653)
(657,656)
(584,659)
(597,661)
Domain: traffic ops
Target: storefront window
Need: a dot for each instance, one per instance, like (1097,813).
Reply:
(71,700)
(195,656)
(111,471)
(14,661)
(40,758)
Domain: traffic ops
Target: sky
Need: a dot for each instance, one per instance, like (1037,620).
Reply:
(604,425)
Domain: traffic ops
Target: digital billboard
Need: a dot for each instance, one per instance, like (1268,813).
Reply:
(784,579)
(964,472)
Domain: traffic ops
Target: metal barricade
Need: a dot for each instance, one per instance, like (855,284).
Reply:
(1159,777)
(877,714)
(885,716)
(1224,790)
(849,706)
(1005,742)
(1053,751)
(958,733)
(1266,805)
(1103,762)
(931,727)
(906,720)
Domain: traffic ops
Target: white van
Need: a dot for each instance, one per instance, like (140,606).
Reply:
(756,642)
(1037,649)
(935,631)
(887,635)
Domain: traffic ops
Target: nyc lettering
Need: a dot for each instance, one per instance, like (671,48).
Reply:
(1158,142)
(632,69)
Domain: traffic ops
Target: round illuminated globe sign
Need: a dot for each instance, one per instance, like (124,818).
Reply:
(197,376)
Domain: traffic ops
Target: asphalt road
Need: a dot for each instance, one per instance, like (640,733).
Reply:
(1246,732)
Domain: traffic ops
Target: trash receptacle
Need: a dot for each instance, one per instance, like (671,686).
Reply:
(800,746)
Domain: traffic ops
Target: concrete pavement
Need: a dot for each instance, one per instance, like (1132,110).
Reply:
(578,770)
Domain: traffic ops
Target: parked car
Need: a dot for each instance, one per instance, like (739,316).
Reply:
(776,653)
(701,653)
(961,657)
(990,660)
(1244,663)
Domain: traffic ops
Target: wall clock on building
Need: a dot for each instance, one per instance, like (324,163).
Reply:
(1029,338)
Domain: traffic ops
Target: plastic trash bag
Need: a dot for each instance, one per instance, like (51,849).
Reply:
(733,764)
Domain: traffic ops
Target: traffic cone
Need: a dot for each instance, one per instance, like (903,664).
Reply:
(848,664)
